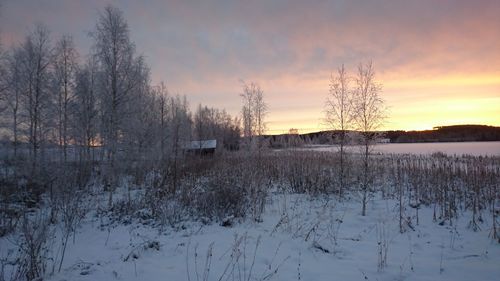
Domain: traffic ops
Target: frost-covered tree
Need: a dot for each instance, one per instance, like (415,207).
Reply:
(226,129)
(161,96)
(140,121)
(65,67)
(3,73)
(85,121)
(121,77)
(213,123)
(203,123)
(340,115)
(36,58)
(369,117)
(254,111)
(180,133)
(246,114)
(12,93)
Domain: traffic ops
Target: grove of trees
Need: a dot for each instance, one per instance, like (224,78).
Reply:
(57,103)
(354,104)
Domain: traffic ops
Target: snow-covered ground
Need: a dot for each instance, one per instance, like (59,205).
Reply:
(300,238)
(491,148)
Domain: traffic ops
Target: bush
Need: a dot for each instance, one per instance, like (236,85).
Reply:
(220,196)
(33,250)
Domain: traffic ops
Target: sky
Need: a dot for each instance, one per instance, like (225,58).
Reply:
(438,61)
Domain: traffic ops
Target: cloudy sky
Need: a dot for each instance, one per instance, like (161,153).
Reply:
(438,61)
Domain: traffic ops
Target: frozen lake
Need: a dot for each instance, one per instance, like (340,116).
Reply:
(491,148)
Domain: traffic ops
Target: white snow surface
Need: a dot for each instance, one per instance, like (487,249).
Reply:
(285,246)
(491,148)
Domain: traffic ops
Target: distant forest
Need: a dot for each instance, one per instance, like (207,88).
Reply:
(455,133)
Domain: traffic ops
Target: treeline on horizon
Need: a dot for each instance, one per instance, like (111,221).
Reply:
(453,133)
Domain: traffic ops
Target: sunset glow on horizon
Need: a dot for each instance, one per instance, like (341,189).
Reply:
(438,61)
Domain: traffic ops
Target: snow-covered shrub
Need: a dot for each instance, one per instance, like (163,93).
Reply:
(309,172)
(71,207)
(9,210)
(33,251)
(222,195)
(226,186)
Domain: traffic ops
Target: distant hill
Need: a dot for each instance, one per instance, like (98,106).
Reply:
(455,133)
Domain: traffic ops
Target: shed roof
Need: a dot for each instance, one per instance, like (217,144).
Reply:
(202,144)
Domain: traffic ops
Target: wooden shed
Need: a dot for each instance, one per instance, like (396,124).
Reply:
(201,147)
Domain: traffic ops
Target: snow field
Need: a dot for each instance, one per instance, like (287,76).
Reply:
(300,238)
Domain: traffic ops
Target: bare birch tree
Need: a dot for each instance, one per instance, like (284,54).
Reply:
(161,93)
(212,123)
(369,116)
(179,131)
(254,111)
(260,111)
(120,70)
(36,61)
(85,118)
(339,116)
(65,66)
(247,116)
(3,73)
(12,79)
(203,123)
